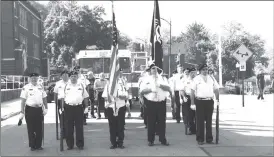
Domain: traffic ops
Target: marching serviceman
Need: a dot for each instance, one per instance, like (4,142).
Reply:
(74,95)
(99,86)
(185,93)
(155,90)
(177,88)
(171,84)
(34,107)
(59,92)
(91,92)
(141,99)
(203,90)
(116,110)
(82,79)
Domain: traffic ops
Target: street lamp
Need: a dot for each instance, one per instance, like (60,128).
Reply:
(169,22)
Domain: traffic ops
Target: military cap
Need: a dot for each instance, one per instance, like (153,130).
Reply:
(202,66)
(33,75)
(64,72)
(192,69)
(73,73)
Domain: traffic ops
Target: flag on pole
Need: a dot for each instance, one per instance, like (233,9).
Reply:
(114,62)
(156,38)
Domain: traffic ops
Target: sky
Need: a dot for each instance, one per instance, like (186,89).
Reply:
(134,18)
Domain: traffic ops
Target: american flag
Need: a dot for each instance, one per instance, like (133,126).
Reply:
(156,38)
(114,67)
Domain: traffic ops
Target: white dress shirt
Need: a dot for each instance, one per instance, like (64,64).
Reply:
(204,89)
(33,94)
(59,89)
(177,81)
(187,85)
(115,102)
(157,94)
(74,94)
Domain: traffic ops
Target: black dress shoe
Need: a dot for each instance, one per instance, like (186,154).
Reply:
(80,148)
(32,149)
(112,147)
(210,142)
(150,144)
(165,143)
(121,146)
(93,116)
(69,148)
(39,148)
(178,121)
(200,143)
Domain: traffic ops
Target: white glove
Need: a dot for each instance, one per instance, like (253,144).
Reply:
(21,116)
(45,111)
(86,110)
(193,107)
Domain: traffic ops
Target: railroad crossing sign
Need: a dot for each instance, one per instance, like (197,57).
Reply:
(242,54)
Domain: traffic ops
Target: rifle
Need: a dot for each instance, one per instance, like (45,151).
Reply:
(217,124)
(62,125)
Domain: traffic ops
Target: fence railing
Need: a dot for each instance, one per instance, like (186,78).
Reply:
(9,82)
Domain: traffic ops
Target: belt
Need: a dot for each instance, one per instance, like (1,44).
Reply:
(74,104)
(35,105)
(199,98)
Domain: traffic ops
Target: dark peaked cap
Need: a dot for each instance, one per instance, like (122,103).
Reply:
(202,66)
(33,75)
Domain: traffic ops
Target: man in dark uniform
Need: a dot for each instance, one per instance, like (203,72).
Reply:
(261,84)
(34,107)
(155,90)
(203,89)
(74,94)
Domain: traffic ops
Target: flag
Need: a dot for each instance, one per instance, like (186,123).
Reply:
(114,62)
(156,38)
(24,57)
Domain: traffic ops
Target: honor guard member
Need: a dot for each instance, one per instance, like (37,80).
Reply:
(186,92)
(99,86)
(116,111)
(59,92)
(204,87)
(74,95)
(171,84)
(127,101)
(155,90)
(261,84)
(91,92)
(82,79)
(141,98)
(177,87)
(34,107)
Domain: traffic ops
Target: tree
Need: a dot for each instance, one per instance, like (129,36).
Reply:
(198,43)
(69,28)
(235,35)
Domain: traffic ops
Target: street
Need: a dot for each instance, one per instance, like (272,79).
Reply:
(243,131)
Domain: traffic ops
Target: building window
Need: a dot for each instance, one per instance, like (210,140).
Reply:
(36,49)
(15,9)
(35,26)
(15,32)
(24,41)
(23,18)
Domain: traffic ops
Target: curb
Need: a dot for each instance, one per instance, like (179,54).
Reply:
(10,115)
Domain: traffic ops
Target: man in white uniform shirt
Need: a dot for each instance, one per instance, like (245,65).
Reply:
(189,114)
(203,90)
(74,94)
(141,100)
(171,84)
(155,90)
(177,88)
(59,93)
(116,110)
(34,107)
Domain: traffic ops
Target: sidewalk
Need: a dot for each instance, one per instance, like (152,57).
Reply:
(10,108)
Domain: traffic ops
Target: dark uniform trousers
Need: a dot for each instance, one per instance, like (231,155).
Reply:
(116,125)
(34,117)
(74,117)
(156,120)
(101,105)
(204,111)
(59,103)
(178,107)
(190,120)
(85,116)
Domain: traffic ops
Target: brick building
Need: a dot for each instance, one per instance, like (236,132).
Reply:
(21,30)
